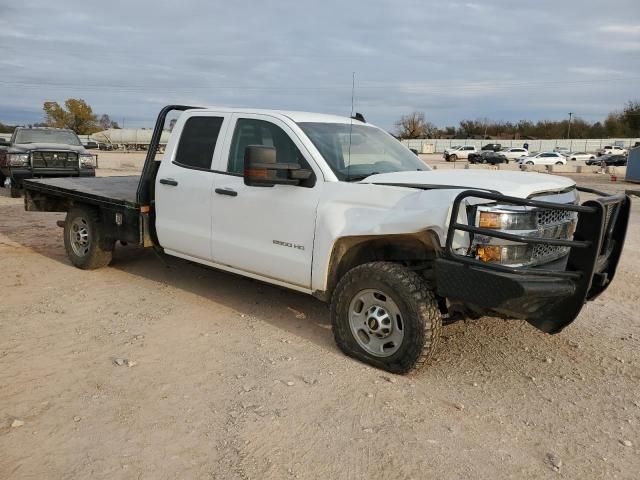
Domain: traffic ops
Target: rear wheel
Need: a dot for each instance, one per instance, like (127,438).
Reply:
(385,315)
(559,163)
(84,239)
(15,192)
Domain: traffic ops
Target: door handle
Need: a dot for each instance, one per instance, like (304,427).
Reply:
(169,181)
(227,191)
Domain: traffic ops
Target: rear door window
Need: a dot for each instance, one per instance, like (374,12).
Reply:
(198,142)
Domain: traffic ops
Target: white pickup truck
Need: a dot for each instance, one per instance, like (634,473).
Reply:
(337,208)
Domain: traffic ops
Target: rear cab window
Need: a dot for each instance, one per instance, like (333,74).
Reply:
(198,142)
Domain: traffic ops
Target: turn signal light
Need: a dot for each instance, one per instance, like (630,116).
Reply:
(490,220)
(490,253)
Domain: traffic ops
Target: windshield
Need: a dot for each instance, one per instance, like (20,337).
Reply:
(33,135)
(356,151)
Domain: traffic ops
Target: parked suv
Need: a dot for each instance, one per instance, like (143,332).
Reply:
(459,153)
(42,152)
(612,150)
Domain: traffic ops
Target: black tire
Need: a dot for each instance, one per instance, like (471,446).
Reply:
(559,163)
(421,318)
(15,192)
(97,251)
(452,158)
(529,163)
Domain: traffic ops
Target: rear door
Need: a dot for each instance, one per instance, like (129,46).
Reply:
(184,184)
(267,231)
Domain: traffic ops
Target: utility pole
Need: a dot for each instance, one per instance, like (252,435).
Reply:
(569,128)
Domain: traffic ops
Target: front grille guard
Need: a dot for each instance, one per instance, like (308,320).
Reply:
(38,159)
(594,250)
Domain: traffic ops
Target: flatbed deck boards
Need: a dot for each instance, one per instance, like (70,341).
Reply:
(112,190)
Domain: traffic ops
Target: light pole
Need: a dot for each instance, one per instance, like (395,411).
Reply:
(569,128)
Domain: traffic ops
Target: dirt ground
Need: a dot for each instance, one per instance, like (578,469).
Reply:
(228,378)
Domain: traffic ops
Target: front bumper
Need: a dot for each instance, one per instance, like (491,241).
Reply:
(18,174)
(549,299)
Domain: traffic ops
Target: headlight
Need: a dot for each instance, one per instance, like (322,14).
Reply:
(524,221)
(508,219)
(86,160)
(18,159)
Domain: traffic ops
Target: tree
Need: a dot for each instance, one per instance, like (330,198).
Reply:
(106,123)
(631,117)
(614,125)
(6,128)
(414,126)
(76,115)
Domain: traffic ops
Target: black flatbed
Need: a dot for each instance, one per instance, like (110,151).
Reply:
(112,191)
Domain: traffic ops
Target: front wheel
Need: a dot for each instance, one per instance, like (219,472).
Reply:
(385,315)
(15,192)
(453,158)
(84,239)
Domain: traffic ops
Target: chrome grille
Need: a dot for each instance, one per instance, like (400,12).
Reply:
(43,159)
(549,216)
(542,252)
(553,224)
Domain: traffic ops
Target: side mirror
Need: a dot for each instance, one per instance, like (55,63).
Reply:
(261,168)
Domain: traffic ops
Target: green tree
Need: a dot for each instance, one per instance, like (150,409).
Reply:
(76,115)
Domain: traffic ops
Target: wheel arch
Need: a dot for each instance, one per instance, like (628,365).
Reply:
(350,251)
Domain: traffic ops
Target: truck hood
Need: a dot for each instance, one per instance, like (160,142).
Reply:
(516,184)
(56,147)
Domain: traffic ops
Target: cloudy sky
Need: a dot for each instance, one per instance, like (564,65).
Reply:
(498,59)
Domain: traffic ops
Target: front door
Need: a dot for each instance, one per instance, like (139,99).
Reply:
(184,185)
(267,231)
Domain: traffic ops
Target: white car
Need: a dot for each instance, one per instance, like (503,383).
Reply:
(563,150)
(575,156)
(514,153)
(460,153)
(544,158)
(612,150)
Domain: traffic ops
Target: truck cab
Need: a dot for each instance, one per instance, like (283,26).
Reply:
(337,208)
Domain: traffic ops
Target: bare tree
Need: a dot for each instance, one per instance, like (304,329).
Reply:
(414,126)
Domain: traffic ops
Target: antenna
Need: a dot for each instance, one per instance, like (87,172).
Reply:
(353,89)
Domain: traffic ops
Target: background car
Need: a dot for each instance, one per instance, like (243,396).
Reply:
(575,156)
(461,153)
(496,147)
(544,158)
(609,160)
(612,150)
(489,156)
(515,153)
(562,150)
